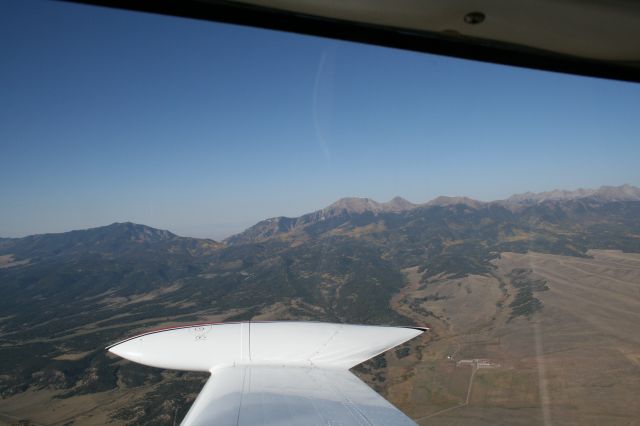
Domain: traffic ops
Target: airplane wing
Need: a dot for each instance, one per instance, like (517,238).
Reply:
(277,395)
(275,373)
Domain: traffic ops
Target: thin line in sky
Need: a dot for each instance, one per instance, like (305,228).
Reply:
(320,73)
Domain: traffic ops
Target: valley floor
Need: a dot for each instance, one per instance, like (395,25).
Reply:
(575,361)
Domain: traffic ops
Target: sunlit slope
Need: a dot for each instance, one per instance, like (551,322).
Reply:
(68,295)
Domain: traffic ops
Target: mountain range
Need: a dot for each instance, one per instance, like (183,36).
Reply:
(67,295)
(353,206)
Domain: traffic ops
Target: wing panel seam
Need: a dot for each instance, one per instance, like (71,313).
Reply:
(335,333)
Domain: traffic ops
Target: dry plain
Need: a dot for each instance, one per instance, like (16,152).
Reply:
(576,362)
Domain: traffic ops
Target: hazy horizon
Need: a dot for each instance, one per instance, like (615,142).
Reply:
(205,129)
(221,231)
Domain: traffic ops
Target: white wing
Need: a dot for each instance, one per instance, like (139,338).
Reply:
(259,395)
(285,373)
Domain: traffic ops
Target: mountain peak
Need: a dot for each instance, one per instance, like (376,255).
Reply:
(362,205)
(448,201)
(353,205)
(135,232)
(114,238)
(399,204)
(624,192)
(268,228)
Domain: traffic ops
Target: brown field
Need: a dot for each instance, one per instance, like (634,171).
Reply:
(574,363)
(7,261)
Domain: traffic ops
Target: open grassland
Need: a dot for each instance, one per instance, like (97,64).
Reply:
(573,362)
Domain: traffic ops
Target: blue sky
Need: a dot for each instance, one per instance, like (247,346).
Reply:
(204,128)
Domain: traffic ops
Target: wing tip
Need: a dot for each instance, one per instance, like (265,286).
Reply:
(419,328)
